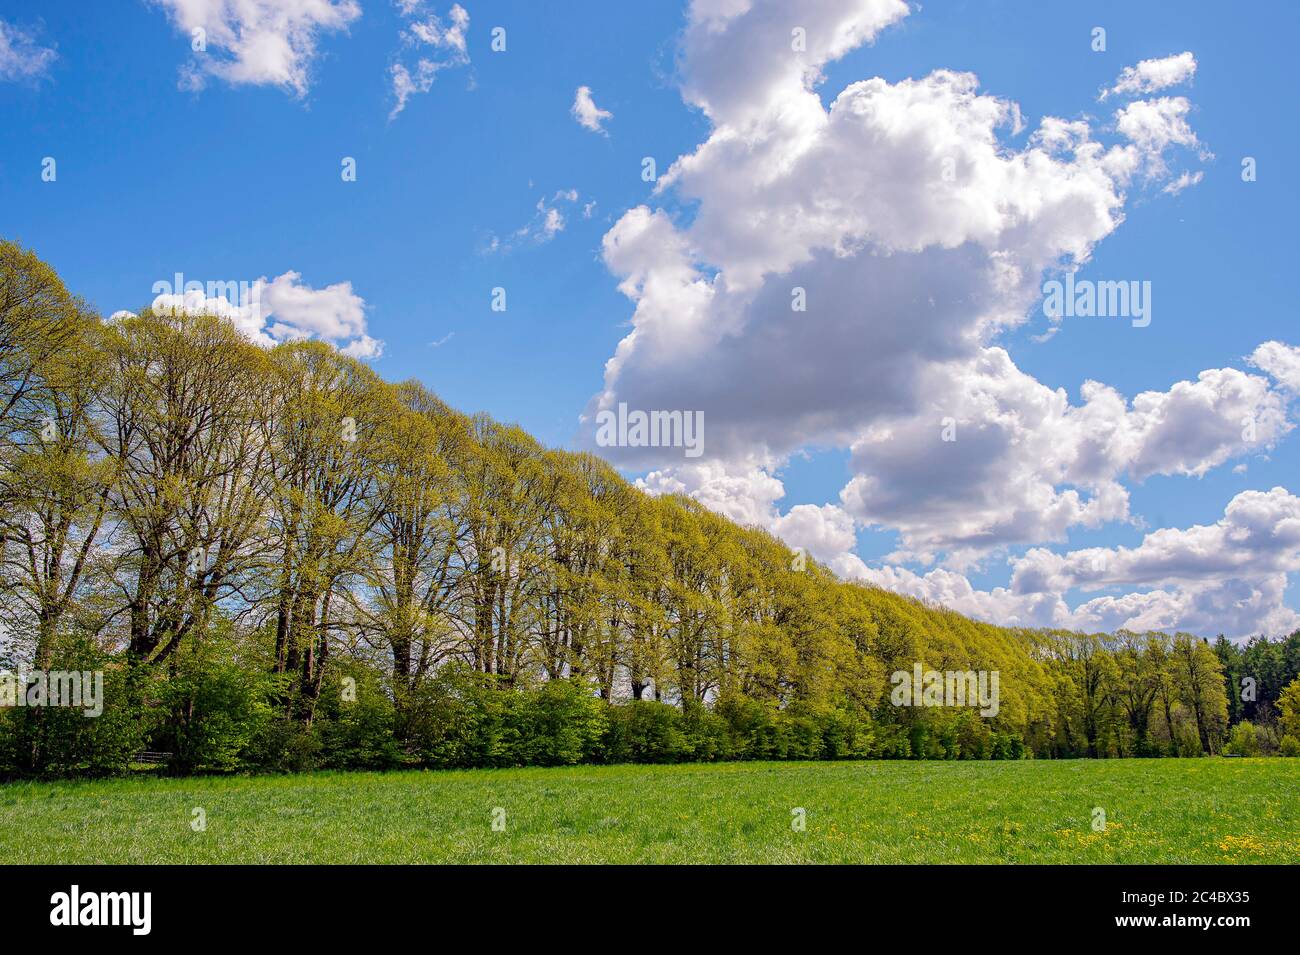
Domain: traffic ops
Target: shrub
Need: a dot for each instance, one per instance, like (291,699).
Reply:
(893,741)
(1006,746)
(64,741)
(560,724)
(845,735)
(647,731)
(355,721)
(455,720)
(1186,741)
(1242,740)
(1288,703)
(215,707)
(750,726)
(799,736)
(1267,738)
(924,740)
(705,732)
(284,745)
(1290,746)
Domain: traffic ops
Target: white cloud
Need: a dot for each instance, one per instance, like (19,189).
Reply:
(285,309)
(426,30)
(953,590)
(431,31)
(1026,465)
(333,313)
(1184,181)
(257,42)
(21,57)
(1235,607)
(1259,535)
(824,531)
(1281,362)
(547,222)
(363,347)
(552,223)
(1153,124)
(587,113)
(1228,577)
(1152,75)
(740,61)
(745,494)
(915,231)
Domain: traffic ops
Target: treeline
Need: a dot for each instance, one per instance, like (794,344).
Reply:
(280,561)
(1264,694)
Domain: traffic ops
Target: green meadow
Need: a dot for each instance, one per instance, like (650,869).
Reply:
(1156,811)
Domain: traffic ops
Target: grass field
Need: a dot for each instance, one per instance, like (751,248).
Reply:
(1169,811)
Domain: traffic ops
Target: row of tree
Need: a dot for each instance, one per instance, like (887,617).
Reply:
(271,544)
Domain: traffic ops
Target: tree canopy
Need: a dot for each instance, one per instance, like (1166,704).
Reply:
(280,558)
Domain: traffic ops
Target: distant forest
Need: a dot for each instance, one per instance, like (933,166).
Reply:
(280,561)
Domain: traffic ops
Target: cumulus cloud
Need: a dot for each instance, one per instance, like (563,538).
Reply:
(283,309)
(587,113)
(1228,577)
(748,494)
(846,268)
(1281,362)
(741,65)
(954,590)
(257,42)
(824,531)
(913,230)
(1152,75)
(22,59)
(1235,607)
(1024,464)
(1231,606)
(1259,535)
(363,347)
(1152,125)
(437,47)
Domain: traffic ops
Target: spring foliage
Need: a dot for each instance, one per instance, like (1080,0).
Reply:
(282,561)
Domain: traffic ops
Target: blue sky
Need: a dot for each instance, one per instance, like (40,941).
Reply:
(236,176)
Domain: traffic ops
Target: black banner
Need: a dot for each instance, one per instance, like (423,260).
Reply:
(943,905)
